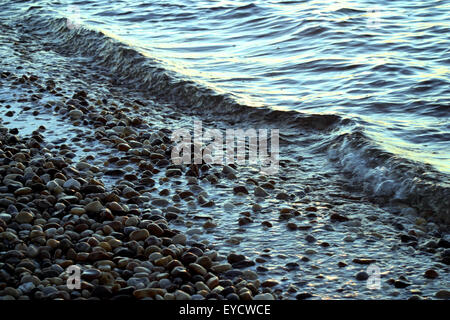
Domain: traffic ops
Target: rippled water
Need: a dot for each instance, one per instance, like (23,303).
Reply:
(385,63)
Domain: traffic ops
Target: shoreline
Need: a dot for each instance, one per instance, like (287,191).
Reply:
(130,177)
(309,235)
(64,216)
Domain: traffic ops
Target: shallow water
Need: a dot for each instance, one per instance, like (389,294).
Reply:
(103,68)
(383,63)
(374,76)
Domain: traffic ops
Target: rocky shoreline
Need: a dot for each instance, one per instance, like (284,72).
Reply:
(94,186)
(56,213)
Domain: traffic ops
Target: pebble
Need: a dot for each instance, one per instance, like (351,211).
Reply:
(165,283)
(349,238)
(269,283)
(77,211)
(443,294)
(75,114)
(260,192)
(267,224)
(250,275)
(431,274)
(139,235)
(160,202)
(72,184)
(179,239)
(227,170)
(181,295)
(148,293)
(364,261)
(256,207)
(240,189)
(220,268)
(303,296)
(233,258)
(338,218)
(197,269)
(244,221)
(362,275)
(94,206)
(291,226)
(155,230)
(264,296)
(5,217)
(24,217)
(123,147)
(23,191)
(91,274)
(401,284)
(12,292)
(132,221)
(209,225)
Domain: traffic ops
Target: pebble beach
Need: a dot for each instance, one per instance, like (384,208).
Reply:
(87,180)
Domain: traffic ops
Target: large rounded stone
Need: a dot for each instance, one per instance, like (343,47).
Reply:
(139,235)
(24,217)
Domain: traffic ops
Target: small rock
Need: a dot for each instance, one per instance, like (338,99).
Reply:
(250,275)
(91,274)
(364,261)
(401,284)
(123,147)
(181,295)
(292,226)
(431,274)
(23,191)
(75,114)
(209,225)
(348,238)
(160,202)
(197,269)
(264,296)
(24,217)
(228,170)
(339,218)
(149,293)
(233,257)
(361,276)
(179,239)
(240,189)
(260,192)
(443,294)
(267,224)
(244,220)
(303,296)
(269,283)
(94,207)
(220,268)
(72,184)
(139,235)
(77,211)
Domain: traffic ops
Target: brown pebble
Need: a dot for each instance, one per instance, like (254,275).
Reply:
(431,274)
